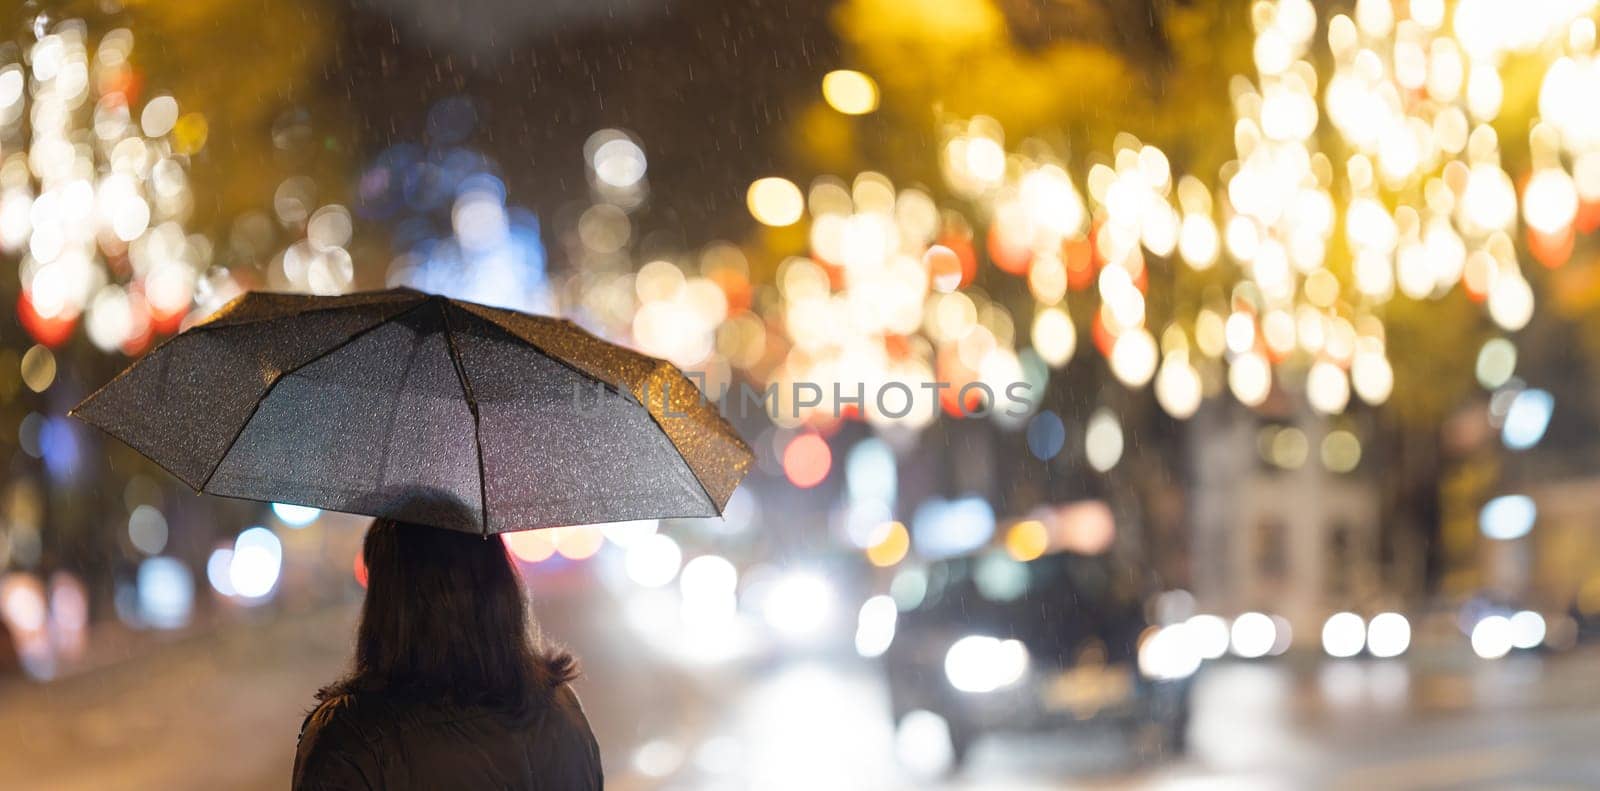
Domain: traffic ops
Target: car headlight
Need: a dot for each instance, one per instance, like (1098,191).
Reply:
(1168,653)
(979,663)
(800,606)
(875,626)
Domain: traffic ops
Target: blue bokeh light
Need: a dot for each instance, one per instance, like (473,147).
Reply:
(1508,517)
(446,206)
(943,528)
(1046,435)
(166,592)
(1527,419)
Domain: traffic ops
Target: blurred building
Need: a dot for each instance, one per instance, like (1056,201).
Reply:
(1281,522)
(1556,565)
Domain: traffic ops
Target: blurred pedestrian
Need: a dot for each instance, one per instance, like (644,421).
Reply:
(450,688)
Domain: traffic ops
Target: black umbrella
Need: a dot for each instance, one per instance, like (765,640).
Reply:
(418,407)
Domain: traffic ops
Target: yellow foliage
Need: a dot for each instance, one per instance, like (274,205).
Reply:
(241,63)
(939,59)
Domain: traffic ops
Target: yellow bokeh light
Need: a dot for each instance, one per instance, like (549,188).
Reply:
(1289,448)
(892,548)
(579,542)
(1327,388)
(38,368)
(530,546)
(1341,451)
(1054,337)
(1178,387)
(1322,288)
(1027,540)
(775,201)
(1250,379)
(189,133)
(1210,333)
(850,92)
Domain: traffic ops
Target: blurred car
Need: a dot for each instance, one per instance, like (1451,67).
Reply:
(996,644)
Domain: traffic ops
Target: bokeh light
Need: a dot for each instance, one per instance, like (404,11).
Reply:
(1343,635)
(775,201)
(850,92)
(807,460)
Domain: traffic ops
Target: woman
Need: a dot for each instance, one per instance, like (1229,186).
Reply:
(449,689)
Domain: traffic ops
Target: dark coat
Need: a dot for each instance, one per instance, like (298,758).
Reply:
(364,741)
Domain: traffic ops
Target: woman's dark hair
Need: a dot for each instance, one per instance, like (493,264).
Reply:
(445,621)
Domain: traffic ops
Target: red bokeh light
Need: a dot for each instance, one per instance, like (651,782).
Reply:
(51,332)
(1078,255)
(806,460)
(960,243)
(1552,249)
(1010,253)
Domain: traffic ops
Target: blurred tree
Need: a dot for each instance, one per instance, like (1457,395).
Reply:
(236,69)
(246,67)
(1074,71)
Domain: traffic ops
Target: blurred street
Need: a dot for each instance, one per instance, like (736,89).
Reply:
(221,710)
(1219,379)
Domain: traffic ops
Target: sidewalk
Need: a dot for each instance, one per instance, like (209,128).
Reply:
(221,707)
(212,710)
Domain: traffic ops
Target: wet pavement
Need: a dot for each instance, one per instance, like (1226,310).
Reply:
(221,710)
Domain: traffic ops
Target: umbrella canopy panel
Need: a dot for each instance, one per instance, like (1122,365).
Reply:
(713,450)
(425,409)
(557,441)
(183,404)
(389,414)
(366,423)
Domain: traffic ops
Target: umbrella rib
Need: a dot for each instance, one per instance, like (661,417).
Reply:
(275,380)
(488,317)
(394,411)
(661,430)
(472,405)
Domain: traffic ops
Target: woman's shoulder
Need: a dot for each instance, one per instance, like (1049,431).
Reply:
(564,744)
(370,714)
(337,746)
(344,722)
(375,714)
(568,710)
(353,736)
(341,711)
